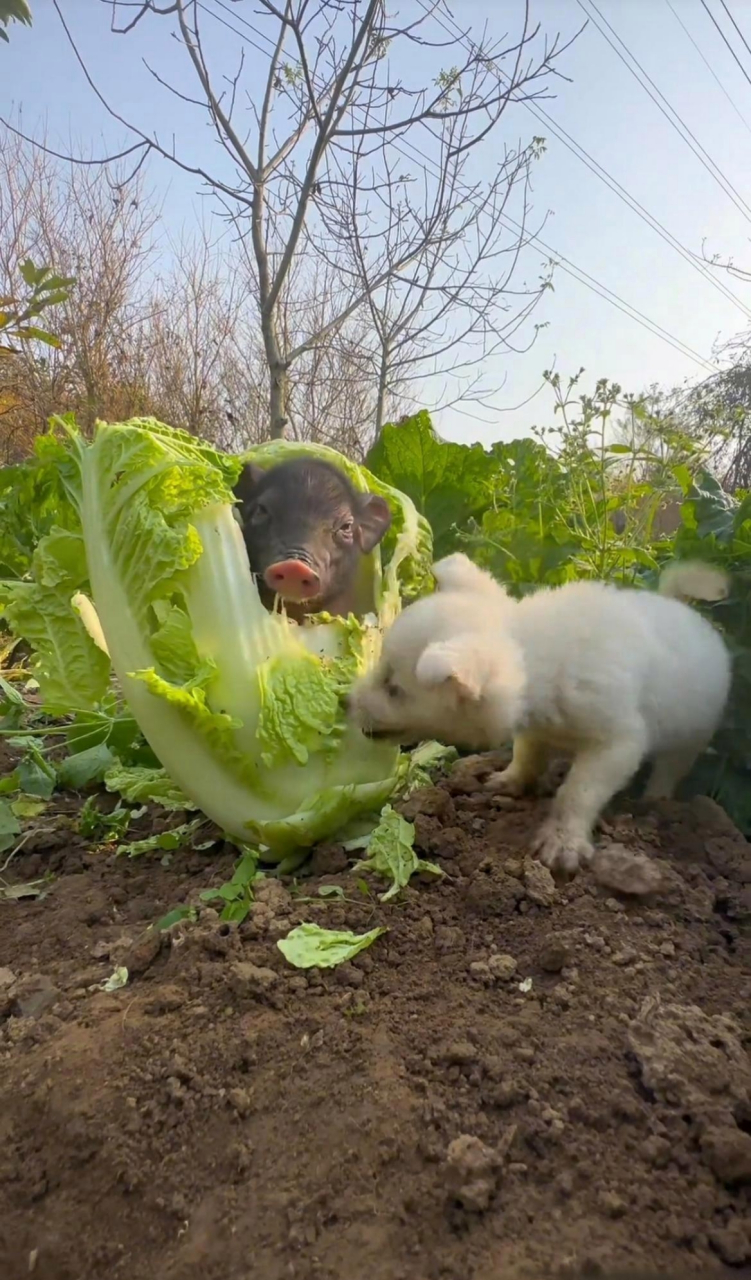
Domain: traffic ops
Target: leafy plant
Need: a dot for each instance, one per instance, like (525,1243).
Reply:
(448,483)
(13,11)
(146,577)
(237,893)
(43,288)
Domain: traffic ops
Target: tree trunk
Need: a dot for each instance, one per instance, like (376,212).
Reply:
(383,375)
(278,399)
(278,378)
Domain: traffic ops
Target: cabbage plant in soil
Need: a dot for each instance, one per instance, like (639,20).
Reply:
(147,579)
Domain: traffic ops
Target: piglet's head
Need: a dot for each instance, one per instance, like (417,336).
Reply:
(305,530)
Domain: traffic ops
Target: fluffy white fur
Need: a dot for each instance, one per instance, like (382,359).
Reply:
(605,675)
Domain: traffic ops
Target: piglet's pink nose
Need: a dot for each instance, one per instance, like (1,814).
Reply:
(292,579)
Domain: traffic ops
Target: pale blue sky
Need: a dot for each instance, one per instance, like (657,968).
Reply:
(603,108)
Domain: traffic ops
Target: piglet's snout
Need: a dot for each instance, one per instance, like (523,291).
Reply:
(293,580)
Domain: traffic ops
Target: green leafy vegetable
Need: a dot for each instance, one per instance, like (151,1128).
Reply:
(308,946)
(425,763)
(242,708)
(139,784)
(391,853)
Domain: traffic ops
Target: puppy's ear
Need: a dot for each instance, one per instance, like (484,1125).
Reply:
(458,573)
(445,663)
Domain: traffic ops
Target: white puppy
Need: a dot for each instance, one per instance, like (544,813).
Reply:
(606,675)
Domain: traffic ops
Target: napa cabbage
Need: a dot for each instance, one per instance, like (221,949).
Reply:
(146,582)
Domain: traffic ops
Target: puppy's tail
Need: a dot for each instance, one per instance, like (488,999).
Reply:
(459,573)
(693,580)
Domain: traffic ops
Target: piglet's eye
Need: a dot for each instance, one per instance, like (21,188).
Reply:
(345,529)
(393,690)
(259,514)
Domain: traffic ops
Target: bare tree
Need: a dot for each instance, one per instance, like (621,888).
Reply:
(332,83)
(159,327)
(452,306)
(96,228)
(333,385)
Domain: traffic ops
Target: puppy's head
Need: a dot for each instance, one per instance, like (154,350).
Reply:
(440,678)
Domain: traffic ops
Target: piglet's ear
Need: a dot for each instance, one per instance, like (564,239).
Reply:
(373,519)
(248,481)
(450,664)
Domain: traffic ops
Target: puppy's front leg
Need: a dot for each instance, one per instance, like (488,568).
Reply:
(565,838)
(527,763)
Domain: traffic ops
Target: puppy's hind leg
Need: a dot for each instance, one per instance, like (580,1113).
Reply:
(527,763)
(598,772)
(668,769)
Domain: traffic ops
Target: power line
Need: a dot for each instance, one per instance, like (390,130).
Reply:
(567,265)
(708,65)
(684,132)
(710,15)
(735,24)
(602,173)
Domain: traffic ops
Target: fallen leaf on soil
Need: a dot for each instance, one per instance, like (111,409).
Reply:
(28,807)
(116,980)
(308,946)
(391,853)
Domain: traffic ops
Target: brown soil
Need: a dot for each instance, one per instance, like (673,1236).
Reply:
(431,1111)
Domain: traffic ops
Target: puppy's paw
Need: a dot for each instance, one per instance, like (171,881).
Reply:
(562,848)
(505,783)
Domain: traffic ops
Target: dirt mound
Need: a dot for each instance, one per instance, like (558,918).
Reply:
(522,1078)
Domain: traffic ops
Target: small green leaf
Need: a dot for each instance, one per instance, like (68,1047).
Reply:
(308,946)
(84,768)
(235,912)
(176,916)
(177,838)
(14,892)
(12,706)
(36,776)
(94,824)
(10,827)
(39,335)
(116,980)
(28,807)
